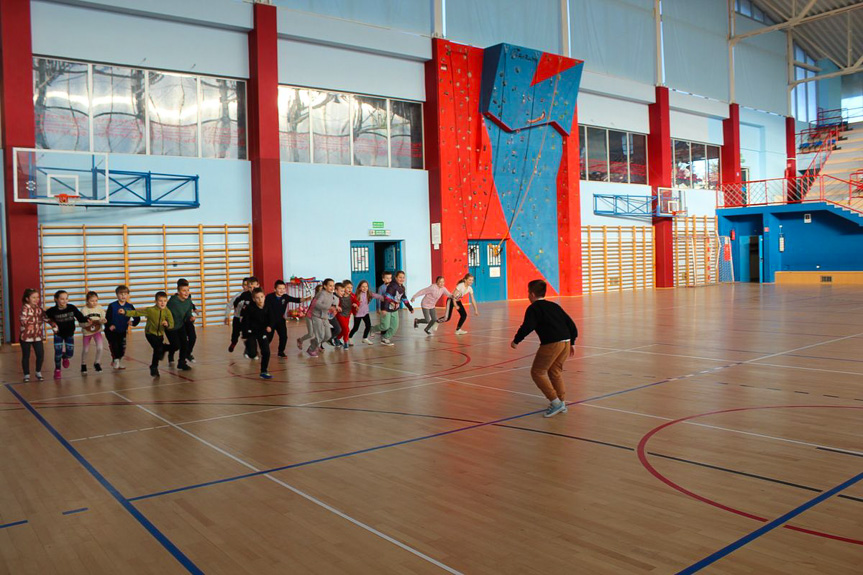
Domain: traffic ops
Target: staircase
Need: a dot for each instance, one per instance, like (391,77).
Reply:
(839,171)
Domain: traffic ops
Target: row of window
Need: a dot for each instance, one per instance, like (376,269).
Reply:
(804,97)
(696,165)
(98,108)
(751,10)
(349,129)
(612,156)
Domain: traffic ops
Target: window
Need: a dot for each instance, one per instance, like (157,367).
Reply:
(349,129)
(61,98)
(696,165)
(612,156)
(713,180)
(699,166)
(192,116)
(597,155)
(119,111)
(682,165)
(804,97)
(750,9)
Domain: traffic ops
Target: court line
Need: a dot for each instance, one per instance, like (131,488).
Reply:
(109,487)
(778,522)
(302,494)
(73,511)
(13,524)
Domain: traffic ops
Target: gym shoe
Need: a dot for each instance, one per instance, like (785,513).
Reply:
(368,341)
(97,367)
(266,375)
(246,355)
(416,322)
(57,374)
(115,364)
(26,378)
(347,346)
(231,348)
(460,332)
(387,342)
(299,344)
(553,410)
(65,362)
(312,352)
(39,376)
(282,355)
(191,358)
(184,367)
(154,371)
(83,369)
(434,327)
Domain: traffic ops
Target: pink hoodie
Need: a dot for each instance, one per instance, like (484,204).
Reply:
(431,295)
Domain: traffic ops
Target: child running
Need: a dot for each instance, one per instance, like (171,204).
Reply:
(64,318)
(557,334)
(335,326)
(32,319)
(322,306)
(362,300)
(259,323)
(431,295)
(240,303)
(310,328)
(95,315)
(346,308)
(118,325)
(180,306)
(278,301)
(159,320)
(462,289)
(232,318)
(394,296)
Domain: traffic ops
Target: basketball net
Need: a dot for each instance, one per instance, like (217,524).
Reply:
(66,203)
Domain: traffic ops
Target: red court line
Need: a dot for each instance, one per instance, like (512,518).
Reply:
(642,457)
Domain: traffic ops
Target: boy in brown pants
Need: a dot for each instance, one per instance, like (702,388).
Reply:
(557,333)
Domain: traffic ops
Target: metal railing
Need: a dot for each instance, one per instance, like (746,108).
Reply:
(780,191)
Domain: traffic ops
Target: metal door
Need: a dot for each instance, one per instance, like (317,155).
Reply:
(487,264)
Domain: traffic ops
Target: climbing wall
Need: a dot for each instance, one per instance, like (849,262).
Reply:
(502,160)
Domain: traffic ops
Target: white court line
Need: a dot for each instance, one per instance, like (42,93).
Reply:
(302,494)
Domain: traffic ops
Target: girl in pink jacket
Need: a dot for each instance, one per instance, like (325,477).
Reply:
(431,295)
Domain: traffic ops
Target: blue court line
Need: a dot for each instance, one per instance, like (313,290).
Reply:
(387,445)
(13,524)
(127,505)
(73,511)
(778,522)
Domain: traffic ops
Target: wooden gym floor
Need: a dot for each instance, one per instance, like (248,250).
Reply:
(714,429)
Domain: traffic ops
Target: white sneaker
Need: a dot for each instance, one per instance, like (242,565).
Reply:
(387,342)
(434,327)
(26,378)
(115,364)
(460,332)
(368,341)
(553,410)
(39,376)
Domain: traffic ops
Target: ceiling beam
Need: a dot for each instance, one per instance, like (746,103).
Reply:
(797,21)
(857,67)
(805,10)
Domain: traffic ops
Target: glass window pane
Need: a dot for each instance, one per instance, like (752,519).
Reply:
(800,97)
(62,105)
(618,155)
(699,166)
(597,155)
(637,159)
(582,151)
(406,125)
(173,110)
(745,8)
(223,118)
(757,14)
(331,117)
(798,53)
(713,175)
(682,165)
(812,98)
(118,110)
(294,124)
(370,131)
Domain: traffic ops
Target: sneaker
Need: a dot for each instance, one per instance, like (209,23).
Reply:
(416,322)
(312,352)
(428,332)
(83,369)
(115,364)
(184,367)
(282,355)
(266,375)
(368,341)
(57,374)
(191,358)
(434,327)
(65,362)
(154,371)
(565,409)
(26,378)
(231,348)
(246,355)
(97,367)
(460,332)
(120,365)
(347,346)
(39,376)
(256,358)
(387,342)
(553,410)
(299,344)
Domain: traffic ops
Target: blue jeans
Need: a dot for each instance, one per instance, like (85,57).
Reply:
(59,354)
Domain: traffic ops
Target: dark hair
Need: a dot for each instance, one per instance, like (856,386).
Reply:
(160,294)
(91,294)
(360,286)
(256,291)
(537,288)
(318,288)
(347,283)
(253,280)
(278,283)
(121,288)
(437,279)
(400,272)
(27,293)
(182,282)
(339,285)
(386,273)
(58,293)
(464,279)
(246,280)
(326,281)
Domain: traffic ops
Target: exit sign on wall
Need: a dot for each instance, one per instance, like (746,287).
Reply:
(379,232)
(378,225)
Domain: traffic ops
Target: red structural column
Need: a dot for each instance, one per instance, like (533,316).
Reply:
(17,129)
(431,124)
(569,215)
(791,158)
(263,145)
(730,155)
(659,172)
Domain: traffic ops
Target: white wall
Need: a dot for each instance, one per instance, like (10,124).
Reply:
(762,144)
(761,76)
(483,23)
(606,112)
(695,36)
(325,207)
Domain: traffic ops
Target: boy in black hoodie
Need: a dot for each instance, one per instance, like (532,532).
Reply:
(557,333)
(259,324)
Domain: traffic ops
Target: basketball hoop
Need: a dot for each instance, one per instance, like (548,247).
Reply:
(67,202)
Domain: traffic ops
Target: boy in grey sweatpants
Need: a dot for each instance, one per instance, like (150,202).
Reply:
(322,305)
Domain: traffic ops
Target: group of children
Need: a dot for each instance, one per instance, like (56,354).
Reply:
(259,317)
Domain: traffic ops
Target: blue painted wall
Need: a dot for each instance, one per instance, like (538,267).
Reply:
(830,243)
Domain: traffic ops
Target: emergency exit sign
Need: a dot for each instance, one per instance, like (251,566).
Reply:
(379,232)
(377,225)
